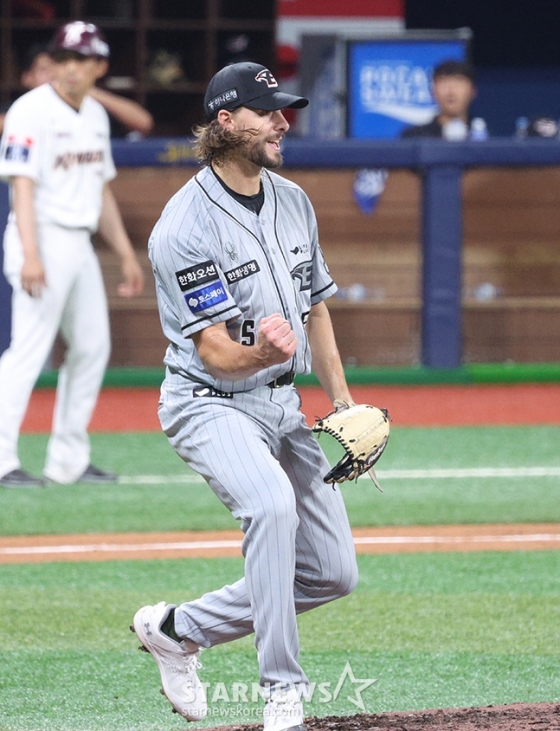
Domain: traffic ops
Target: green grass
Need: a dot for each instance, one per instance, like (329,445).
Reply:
(192,506)
(363,375)
(433,630)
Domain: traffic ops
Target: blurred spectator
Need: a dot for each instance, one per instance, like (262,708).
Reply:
(543,127)
(453,88)
(37,70)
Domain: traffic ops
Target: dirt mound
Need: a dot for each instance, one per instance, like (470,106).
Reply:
(515,717)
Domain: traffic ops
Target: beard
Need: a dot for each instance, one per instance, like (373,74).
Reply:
(260,156)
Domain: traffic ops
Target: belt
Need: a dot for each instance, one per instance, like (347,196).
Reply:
(286,379)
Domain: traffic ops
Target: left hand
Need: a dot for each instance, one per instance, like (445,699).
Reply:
(133,278)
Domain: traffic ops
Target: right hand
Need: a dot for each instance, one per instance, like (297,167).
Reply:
(276,340)
(33,278)
(133,278)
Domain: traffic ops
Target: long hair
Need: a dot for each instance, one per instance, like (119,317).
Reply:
(215,144)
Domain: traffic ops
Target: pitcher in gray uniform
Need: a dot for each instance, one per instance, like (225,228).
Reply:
(241,286)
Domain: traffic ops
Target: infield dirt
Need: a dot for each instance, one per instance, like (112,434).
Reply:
(215,544)
(515,717)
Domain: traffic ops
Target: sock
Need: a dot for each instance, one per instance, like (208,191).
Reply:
(168,627)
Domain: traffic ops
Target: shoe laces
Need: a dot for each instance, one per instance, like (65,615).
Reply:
(184,663)
(191,665)
(283,703)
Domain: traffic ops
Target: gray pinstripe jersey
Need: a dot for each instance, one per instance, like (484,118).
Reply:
(215,261)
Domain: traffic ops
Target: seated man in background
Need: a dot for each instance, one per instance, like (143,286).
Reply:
(453,88)
(129,115)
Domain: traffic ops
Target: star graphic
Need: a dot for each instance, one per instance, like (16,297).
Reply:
(362,683)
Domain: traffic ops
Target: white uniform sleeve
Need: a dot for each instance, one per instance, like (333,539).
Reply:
(21,142)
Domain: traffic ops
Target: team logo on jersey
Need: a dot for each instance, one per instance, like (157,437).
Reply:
(267,77)
(17,150)
(303,249)
(66,160)
(231,252)
(303,272)
(242,272)
(197,275)
(206,297)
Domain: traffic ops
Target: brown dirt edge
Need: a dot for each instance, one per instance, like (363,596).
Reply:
(210,544)
(514,717)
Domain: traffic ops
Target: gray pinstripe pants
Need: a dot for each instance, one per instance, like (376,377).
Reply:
(263,462)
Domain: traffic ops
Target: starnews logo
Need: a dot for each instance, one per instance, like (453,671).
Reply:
(238,699)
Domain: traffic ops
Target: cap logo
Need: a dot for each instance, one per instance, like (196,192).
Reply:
(73,32)
(266,76)
(80,35)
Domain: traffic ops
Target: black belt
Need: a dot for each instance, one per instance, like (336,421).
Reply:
(286,379)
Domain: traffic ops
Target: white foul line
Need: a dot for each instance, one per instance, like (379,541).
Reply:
(204,545)
(513,538)
(469,472)
(119,547)
(417,474)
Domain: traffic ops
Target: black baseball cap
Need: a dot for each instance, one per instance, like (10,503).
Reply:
(452,67)
(247,85)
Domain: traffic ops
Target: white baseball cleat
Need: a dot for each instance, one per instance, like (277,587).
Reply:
(284,711)
(177,666)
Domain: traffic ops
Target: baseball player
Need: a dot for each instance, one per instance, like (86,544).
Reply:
(128,114)
(241,283)
(56,153)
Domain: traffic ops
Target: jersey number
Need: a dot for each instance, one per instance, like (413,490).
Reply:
(248,332)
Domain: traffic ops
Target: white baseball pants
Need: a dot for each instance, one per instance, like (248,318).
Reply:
(73,302)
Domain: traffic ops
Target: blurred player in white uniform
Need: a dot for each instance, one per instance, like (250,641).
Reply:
(241,286)
(131,116)
(56,154)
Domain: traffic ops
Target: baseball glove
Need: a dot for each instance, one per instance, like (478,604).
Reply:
(363,431)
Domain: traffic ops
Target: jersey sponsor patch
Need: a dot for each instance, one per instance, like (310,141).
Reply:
(17,150)
(195,276)
(202,299)
(242,271)
(303,272)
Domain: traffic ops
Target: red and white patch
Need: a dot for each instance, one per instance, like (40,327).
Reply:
(17,149)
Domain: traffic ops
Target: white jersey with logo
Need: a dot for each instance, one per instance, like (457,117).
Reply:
(66,152)
(216,261)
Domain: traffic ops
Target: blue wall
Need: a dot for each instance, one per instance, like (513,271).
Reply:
(504,94)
